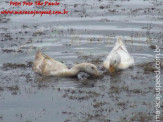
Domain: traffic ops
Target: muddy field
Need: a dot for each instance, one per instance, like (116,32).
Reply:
(86,34)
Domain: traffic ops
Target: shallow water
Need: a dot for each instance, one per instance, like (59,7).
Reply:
(86,34)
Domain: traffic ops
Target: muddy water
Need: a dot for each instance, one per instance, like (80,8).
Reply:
(86,34)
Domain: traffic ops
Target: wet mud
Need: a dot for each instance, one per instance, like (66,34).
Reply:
(86,34)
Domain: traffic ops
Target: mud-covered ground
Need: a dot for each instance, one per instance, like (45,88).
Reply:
(86,34)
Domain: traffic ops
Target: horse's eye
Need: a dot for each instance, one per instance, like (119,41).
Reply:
(92,67)
(115,61)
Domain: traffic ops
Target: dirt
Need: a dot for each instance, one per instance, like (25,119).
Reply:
(11,66)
